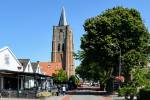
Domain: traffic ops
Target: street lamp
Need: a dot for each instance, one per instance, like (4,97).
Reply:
(19,68)
(119,77)
(119,74)
(119,61)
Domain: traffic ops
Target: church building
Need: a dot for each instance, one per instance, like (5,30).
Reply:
(62,45)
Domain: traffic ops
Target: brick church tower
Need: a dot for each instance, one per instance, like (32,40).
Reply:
(62,45)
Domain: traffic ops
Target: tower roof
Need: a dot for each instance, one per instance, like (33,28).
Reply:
(63,21)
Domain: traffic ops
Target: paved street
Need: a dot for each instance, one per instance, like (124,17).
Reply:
(81,93)
(85,97)
(79,97)
(86,93)
(72,97)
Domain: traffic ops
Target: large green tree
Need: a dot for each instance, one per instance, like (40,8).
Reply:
(106,35)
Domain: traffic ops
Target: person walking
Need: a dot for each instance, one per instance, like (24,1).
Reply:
(64,90)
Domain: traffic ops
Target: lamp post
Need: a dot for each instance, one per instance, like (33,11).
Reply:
(119,61)
(19,68)
(119,72)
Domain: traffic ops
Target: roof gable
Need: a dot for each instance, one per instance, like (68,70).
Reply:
(34,66)
(7,55)
(26,63)
(39,69)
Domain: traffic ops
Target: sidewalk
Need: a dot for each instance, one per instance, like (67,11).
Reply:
(49,98)
(115,97)
(17,99)
(66,97)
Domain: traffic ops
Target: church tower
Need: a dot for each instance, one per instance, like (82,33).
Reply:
(62,45)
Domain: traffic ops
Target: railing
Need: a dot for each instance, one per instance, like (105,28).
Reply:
(20,94)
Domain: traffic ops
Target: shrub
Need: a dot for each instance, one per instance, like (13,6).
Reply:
(127,90)
(43,94)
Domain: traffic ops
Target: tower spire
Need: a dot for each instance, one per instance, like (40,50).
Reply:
(63,21)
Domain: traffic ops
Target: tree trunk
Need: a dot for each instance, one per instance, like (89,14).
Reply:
(102,87)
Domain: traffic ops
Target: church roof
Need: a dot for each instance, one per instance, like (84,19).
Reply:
(63,20)
(50,68)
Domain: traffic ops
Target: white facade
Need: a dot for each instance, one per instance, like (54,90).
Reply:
(8,61)
(10,64)
(38,70)
(29,68)
(29,82)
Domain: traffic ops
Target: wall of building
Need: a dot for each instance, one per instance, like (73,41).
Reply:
(8,61)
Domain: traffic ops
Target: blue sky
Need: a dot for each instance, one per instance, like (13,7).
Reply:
(26,25)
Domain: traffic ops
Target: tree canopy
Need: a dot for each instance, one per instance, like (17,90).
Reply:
(115,30)
(60,76)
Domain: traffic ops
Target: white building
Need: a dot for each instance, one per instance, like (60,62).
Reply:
(27,68)
(19,75)
(9,69)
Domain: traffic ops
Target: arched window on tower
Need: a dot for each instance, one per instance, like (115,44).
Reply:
(63,47)
(61,30)
(58,47)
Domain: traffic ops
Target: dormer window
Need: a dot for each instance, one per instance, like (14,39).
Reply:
(49,65)
(19,67)
(56,67)
(7,60)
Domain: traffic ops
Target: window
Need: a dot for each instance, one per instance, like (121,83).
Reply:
(61,30)
(56,67)
(7,60)
(63,47)
(58,47)
(49,65)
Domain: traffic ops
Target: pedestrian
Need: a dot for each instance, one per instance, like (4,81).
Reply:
(57,91)
(64,90)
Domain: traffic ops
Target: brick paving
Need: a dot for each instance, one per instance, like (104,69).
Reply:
(106,98)
(17,99)
(72,97)
(67,97)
